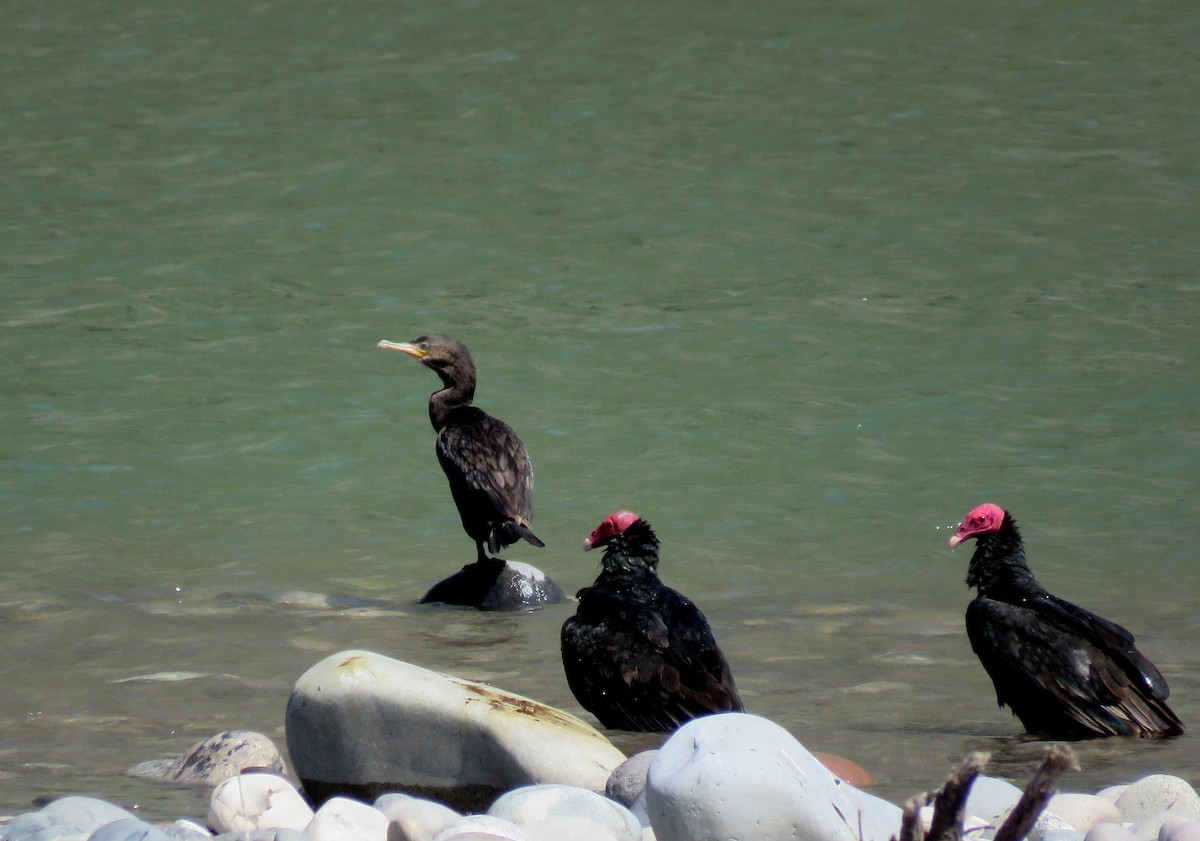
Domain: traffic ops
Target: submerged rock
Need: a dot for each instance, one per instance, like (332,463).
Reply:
(216,758)
(494,584)
(362,724)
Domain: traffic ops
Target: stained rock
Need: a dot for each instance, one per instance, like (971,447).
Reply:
(735,775)
(362,724)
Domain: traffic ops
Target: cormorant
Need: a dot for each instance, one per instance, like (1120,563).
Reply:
(491,480)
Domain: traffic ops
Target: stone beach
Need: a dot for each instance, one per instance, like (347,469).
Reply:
(389,751)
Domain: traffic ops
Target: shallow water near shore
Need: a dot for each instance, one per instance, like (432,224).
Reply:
(799,285)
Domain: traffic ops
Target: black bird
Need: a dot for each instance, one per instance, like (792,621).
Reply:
(491,480)
(1065,672)
(638,655)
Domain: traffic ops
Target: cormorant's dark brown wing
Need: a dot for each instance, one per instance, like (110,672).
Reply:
(647,665)
(489,471)
(1066,672)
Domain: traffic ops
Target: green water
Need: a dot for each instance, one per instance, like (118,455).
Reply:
(801,284)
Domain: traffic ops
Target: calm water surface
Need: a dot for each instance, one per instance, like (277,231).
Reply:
(800,284)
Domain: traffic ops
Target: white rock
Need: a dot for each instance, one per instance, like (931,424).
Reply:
(343,819)
(991,798)
(629,778)
(740,776)
(87,814)
(574,829)
(1157,793)
(1109,832)
(184,826)
(1048,824)
(1159,824)
(532,806)
(414,818)
(257,801)
(1173,822)
(1083,811)
(1112,792)
(483,828)
(361,718)
(1184,831)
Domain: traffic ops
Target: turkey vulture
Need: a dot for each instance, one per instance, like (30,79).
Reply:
(1065,672)
(637,654)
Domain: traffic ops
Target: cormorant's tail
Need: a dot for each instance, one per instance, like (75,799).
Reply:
(511,532)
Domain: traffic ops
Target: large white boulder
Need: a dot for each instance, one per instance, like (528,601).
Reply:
(740,776)
(365,723)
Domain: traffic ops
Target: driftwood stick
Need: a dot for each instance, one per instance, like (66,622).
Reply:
(949,803)
(910,819)
(1059,759)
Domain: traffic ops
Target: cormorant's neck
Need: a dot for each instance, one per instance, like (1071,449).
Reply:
(459,391)
(999,564)
(633,553)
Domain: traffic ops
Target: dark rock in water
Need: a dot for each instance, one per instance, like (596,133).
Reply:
(215,759)
(493,584)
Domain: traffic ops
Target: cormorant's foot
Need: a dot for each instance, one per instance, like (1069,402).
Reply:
(496,584)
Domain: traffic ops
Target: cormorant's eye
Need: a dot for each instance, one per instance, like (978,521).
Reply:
(424,346)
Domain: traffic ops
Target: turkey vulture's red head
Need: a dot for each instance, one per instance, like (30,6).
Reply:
(982,520)
(610,528)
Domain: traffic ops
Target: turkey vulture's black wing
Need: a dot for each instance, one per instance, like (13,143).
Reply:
(636,668)
(1058,671)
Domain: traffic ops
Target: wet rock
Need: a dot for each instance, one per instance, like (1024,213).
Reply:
(629,778)
(414,818)
(264,835)
(343,819)
(549,811)
(736,775)
(216,758)
(257,801)
(494,584)
(362,724)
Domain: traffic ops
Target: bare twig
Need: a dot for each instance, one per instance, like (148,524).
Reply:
(949,804)
(910,820)
(1059,759)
